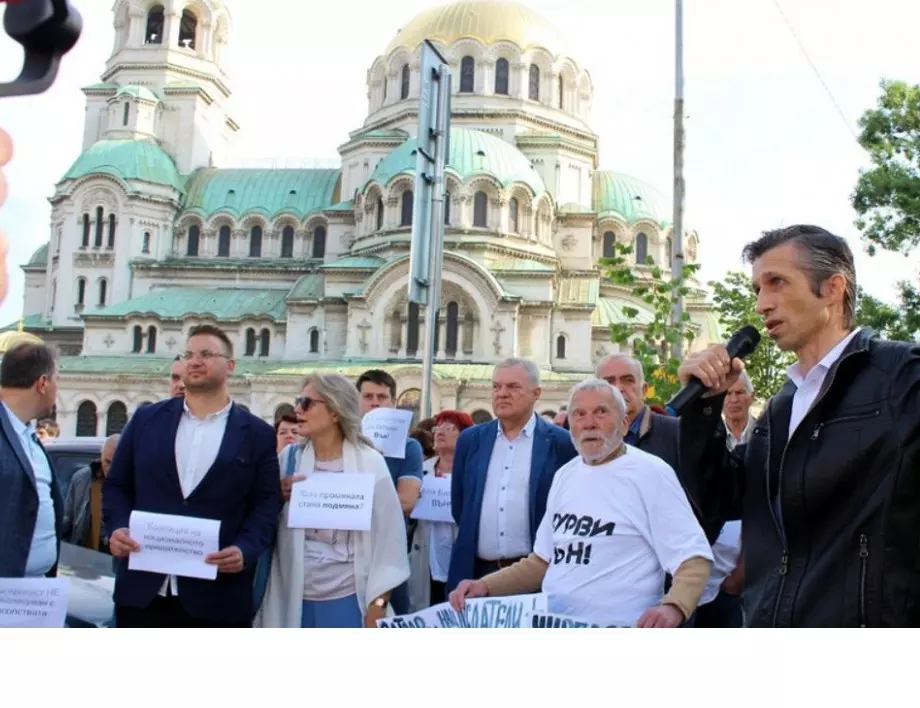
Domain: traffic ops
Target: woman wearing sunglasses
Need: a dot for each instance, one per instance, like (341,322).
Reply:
(330,578)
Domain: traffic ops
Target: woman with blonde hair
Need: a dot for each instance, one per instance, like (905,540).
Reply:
(331,578)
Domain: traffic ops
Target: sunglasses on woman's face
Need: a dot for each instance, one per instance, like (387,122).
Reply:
(304,402)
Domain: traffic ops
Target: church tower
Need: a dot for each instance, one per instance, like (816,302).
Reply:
(165,82)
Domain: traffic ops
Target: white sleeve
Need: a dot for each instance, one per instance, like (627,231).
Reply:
(674,533)
(543,541)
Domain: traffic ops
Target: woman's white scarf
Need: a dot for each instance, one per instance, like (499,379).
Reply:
(381,563)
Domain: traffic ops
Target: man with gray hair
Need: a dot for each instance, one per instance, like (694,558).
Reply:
(83,504)
(736,411)
(502,473)
(616,521)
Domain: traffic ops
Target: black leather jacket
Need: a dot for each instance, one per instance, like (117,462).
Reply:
(831,518)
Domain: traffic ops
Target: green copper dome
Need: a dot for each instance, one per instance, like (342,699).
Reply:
(141,160)
(472,152)
(40,257)
(629,198)
(138,92)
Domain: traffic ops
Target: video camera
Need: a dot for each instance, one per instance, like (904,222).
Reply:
(47,30)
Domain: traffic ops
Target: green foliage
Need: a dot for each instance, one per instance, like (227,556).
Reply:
(736,303)
(652,342)
(900,323)
(887,196)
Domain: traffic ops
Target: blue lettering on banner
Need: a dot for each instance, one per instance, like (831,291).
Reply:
(547,620)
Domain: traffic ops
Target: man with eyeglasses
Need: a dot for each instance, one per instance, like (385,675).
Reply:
(203,456)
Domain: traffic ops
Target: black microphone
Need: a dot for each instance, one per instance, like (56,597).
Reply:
(742,343)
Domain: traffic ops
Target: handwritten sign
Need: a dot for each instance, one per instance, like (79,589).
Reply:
(478,613)
(174,545)
(388,429)
(552,620)
(332,501)
(434,503)
(33,602)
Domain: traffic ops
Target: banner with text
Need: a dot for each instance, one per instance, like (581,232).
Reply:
(340,502)
(388,429)
(478,613)
(434,502)
(33,602)
(551,620)
(174,545)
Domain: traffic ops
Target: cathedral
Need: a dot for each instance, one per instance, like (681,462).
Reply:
(153,232)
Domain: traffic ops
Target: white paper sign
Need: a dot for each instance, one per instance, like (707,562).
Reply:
(510,612)
(33,602)
(174,545)
(541,619)
(434,503)
(388,429)
(332,501)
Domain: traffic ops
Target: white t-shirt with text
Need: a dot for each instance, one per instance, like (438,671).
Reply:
(609,535)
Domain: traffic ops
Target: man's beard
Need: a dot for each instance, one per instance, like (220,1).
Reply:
(606,450)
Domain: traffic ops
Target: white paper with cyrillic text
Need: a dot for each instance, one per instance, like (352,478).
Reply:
(174,545)
(341,502)
(388,429)
(434,502)
(512,612)
(33,602)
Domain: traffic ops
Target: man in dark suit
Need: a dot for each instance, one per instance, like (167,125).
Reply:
(201,456)
(31,506)
(502,473)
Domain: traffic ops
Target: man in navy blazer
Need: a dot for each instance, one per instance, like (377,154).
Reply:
(201,456)
(501,476)
(31,506)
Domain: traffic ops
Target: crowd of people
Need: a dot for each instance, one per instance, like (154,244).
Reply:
(619,514)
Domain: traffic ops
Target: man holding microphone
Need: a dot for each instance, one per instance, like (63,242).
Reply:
(827,486)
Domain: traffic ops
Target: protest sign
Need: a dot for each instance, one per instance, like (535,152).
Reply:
(434,502)
(478,613)
(332,501)
(388,429)
(541,619)
(174,545)
(33,602)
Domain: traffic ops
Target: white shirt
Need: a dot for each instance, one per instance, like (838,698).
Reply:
(504,521)
(609,535)
(43,550)
(808,386)
(198,441)
(725,553)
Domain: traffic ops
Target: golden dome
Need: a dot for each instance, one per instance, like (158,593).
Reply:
(488,21)
(10,339)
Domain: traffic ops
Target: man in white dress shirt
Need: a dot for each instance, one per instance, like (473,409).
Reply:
(202,456)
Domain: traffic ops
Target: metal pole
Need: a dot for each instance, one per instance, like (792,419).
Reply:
(436,254)
(677,237)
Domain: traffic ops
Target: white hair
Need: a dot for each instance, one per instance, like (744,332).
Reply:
(611,443)
(599,385)
(637,365)
(533,371)
(746,382)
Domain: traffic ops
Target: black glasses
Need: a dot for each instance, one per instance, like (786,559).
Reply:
(304,402)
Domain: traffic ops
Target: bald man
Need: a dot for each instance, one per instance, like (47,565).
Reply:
(83,506)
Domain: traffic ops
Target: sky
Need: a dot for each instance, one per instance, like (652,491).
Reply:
(766,145)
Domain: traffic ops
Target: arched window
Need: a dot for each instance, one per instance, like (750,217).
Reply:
(100,225)
(287,242)
(111,242)
(608,247)
(560,347)
(534,89)
(379,213)
(447,209)
(319,242)
(669,253)
(138,339)
(502,72)
(250,342)
(194,234)
(412,333)
(126,114)
(480,210)
(481,416)
(154,33)
(85,242)
(103,291)
(145,244)
(386,81)
(264,341)
(405,216)
(86,420)
(467,74)
(513,215)
(404,83)
(188,28)
(255,242)
(453,329)
(561,92)
(151,340)
(81,291)
(314,341)
(641,248)
(116,418)
(223,242)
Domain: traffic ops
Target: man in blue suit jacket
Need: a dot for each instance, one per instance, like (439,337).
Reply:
(501,476)
(31,506)
(201,456)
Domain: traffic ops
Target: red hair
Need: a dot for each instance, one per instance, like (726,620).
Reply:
(459,418)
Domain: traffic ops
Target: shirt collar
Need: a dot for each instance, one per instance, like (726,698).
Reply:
(527,432)
(637,422)
(212,416)
(22,430)
(794,371)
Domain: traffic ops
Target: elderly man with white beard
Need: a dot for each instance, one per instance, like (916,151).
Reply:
(616,521)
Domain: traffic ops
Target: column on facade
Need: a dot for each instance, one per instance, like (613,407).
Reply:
(171,31)
(440,345)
